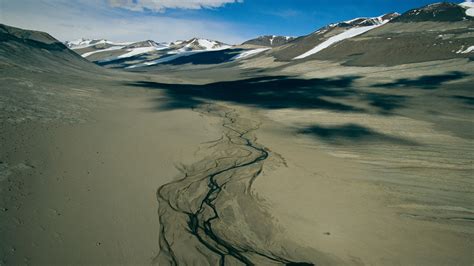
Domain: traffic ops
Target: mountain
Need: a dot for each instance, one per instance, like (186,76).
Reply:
(38,52)
(469,6)
(438,12)
(43,80)
(121,55)
(253,155)
(195,44)
(302,47)
(86,43)
(433,32)
(269,40)
(363,22)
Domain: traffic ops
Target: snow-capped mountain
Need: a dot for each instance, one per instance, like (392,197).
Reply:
(198,44)
(269,40)
(347,29)
(146,52)
(84,43)
(367,39)
(438,12)
(147,43)
(363,22)
(469,6)
(434,32)
(329,35)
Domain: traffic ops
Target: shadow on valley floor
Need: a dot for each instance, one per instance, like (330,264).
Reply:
(385,102)
(467,100)
(342,134)
(206,58)
(198,58)
(275,92)
(428,82)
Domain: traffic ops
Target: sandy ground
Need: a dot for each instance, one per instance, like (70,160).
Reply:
(327,199)
(85,193)
(402,196)
(310,163)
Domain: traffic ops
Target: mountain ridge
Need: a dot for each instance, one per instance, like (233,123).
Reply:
(331,42)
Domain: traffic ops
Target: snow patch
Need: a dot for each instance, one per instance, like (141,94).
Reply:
(133,52)
(355,19)
(249,53)
(137,51)
(469,6)
(84,43)
(172,55)
(206,44)
(102,50)
(340,37)
(466,51)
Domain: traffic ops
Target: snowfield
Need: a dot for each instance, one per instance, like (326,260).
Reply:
(84,43)
(102,50)
(466,51)
(340,37)
(469,6)
(132,52)
(176,54)
(249,53)
(207,44)
(140,50)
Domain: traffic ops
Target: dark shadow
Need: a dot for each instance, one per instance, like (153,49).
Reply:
(465,99)
(206,58)
(429,82)
(121,63)
(270,92)
(53,46)
(199,58)
(342,134)
(386,103)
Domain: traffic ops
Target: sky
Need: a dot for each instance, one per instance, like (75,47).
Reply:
(230,21)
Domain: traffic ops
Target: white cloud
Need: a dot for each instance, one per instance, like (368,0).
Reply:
(162,5)
(69,20)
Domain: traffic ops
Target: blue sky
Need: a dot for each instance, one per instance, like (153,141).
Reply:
(231,21)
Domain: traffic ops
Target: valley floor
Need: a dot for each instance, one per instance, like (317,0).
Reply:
(310,163)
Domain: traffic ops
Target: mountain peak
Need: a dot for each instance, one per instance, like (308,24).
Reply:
(270,40)
(147,43)
(437,12)
(84,42)
(196,43)
(469,6)
(365,21)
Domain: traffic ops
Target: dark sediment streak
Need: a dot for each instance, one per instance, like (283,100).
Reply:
(198,223)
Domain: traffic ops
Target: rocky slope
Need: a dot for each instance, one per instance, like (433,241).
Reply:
(129,55)
(269,40)
(433,32)
(37,51)
(306,43)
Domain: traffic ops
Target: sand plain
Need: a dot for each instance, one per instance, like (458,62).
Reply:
(268,164)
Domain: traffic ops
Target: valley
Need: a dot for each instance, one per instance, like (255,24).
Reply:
(351,145)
